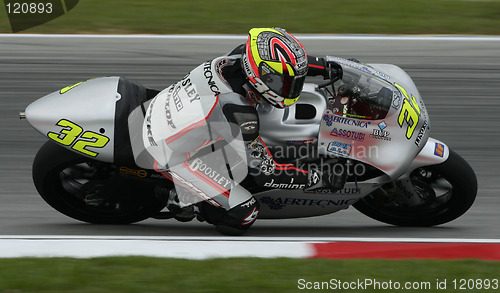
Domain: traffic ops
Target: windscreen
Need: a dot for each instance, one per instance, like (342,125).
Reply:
(359,94)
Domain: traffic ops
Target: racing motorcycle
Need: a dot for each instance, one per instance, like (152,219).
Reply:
(369,115)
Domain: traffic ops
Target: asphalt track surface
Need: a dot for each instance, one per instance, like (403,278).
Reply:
(459,80)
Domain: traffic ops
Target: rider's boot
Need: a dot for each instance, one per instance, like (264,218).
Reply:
(182,211)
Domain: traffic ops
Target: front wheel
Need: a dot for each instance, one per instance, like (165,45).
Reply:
(447,191)
(89,190)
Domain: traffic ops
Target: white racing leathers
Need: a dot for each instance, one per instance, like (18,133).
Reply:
(193,143)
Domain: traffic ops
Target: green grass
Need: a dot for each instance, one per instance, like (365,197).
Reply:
(297,16)
(140,274)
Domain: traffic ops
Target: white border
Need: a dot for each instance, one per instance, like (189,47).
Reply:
(242,37)
(249,239)
(171,247)
(185,247)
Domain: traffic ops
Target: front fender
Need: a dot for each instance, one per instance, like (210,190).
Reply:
(433,153)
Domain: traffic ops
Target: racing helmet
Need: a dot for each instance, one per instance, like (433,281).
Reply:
(275,64)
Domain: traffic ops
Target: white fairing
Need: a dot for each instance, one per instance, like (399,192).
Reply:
(379,142)
(434,152)
(90,106)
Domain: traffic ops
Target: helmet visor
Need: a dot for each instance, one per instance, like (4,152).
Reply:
(288,87)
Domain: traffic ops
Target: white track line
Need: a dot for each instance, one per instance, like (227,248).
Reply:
(243,37)
(247,239)
(81,248)
(186,247)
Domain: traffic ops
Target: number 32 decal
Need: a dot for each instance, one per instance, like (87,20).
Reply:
(71,134)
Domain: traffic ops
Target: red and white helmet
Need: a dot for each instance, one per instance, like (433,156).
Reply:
(275,64)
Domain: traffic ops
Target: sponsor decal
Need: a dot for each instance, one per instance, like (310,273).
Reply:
(246,66)
(218,67)
(149,132)
(280,202)
(337,111)
(133,172)
(329,119)
(266,69)
(283,185)
(251,217)
(359,136)
(207,72)
(439,150)
(407,192)
(249,126)
(190,89)
(158,176)
(380,133)
(199,166)
(249,203)
(343,191)
(305,141)
(396,101)
(424,111)
(190,186)
(168,112)
(313,177)
(267,165)
(339,148)
(421,133)
(177,101)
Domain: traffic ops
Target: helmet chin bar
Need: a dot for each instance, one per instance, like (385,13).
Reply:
(273,98)
(269,95)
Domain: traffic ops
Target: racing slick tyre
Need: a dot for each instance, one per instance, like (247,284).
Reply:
(89,190)
(447,191)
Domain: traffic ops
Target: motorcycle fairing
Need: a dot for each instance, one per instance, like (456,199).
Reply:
(296,203)
(80,117)
(389,143)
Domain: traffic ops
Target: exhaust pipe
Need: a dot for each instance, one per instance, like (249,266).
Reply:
(22,115)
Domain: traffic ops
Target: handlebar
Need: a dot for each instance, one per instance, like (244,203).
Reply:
(335,72)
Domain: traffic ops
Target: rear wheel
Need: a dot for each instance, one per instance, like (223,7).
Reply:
(89,190)
(446,192)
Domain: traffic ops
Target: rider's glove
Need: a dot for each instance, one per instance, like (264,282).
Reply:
(332,70)
(332,175)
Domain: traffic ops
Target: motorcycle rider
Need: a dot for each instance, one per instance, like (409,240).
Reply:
(203,131)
